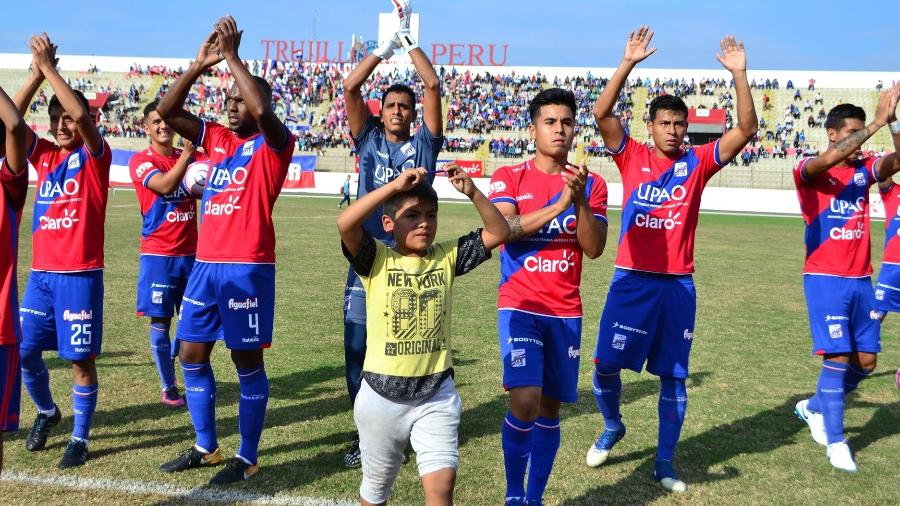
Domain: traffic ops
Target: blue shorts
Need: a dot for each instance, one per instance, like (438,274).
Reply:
(354,299)
(230,302)
(887,289)
(10,387)
(161,283)
(842,314)
(540,351)
(648,318)
(63,311)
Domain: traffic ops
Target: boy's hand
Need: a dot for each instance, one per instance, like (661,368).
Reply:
(229,37)
(408,179)
(209,53)
(43,52)
(460,179)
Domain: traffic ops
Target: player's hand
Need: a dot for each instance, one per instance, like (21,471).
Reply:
(43,53)
(209,54)
(895,85)
(460,179)
(403,10)
(409,179)
(733,57)
(576,179)
(188,147)
(636,48)
(887,106)
(229,36)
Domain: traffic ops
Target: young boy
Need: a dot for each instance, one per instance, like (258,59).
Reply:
(168,239)
(230,294)
(62,308)
(407,392)
(14,182)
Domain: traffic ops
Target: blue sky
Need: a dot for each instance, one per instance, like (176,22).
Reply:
(778,34)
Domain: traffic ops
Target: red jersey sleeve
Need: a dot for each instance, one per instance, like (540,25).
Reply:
(708,159)
(14,185)
(142,169)
(871,164)
(622,155)
(214,135)
(38,149)
(502,188)
(799,180)
(598,197)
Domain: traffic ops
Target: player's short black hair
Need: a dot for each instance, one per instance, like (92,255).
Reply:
(150,108)
(399,88)
(423,192)
(667,103)
(266,87)
(55,105)
(552,96)
(839,113)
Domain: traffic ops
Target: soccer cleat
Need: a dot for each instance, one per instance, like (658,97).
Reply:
(190,459)
(37,436)
(235,470)
(76,454)
(515,501)
(840,457)
(353,457)
(171,398)
(599,451)
(664,473)
(814,420)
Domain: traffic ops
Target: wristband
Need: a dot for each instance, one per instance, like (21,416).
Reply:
(895,127)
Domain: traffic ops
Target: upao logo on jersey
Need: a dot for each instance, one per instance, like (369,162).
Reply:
(50,189)
(845,207)
(221,177)
(566,224)
(657,195)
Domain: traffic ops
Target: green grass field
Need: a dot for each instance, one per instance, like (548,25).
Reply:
(740,444)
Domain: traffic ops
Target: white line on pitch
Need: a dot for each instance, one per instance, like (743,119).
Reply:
(212,495)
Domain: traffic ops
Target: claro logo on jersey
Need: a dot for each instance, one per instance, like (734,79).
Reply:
(67,220)
(844,234)
(225,209)
(538,264)
(180,216)
(657,195)
(658,222)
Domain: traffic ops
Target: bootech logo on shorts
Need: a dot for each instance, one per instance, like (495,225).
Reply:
(80,316)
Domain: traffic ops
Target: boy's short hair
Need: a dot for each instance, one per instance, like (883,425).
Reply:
(150,108)
(423,192)
(667,103)
(840,113)
(399,88)
(552,96)
(55,104)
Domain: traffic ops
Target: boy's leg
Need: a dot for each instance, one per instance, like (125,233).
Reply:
(435,438)
(384,430)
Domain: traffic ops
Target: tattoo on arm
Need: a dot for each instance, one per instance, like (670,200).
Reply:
(515,227)
(852,141)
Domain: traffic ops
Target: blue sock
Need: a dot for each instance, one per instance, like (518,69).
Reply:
(546,443)
(813,404)
(672,406)
(37,380)
(607,394)
(84,403)
(831,399)
(853,378)
(200,393)
(517,440)
(161,347)
(252,410)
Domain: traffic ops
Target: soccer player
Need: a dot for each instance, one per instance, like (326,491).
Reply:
(230,293)
(557,213)
(386,148)
(62,308)
(651,305)
(408,393)
(14,186)
(168,239)
(345,193)
(833,189)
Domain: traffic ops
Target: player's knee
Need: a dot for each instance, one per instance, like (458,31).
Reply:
(247,359)
(866,362)
(84,371)
(525,402)
(606,370)
(193,353)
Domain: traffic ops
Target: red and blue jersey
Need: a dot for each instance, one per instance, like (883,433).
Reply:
(245,178)
(169,221)
(835,208)
(891,199)
(70,207)
(661,204)
(12,201)
(541,274)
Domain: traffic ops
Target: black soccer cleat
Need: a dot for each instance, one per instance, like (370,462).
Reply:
(190,459)
(236,470)
(76,454)
(353,458)
(37,436)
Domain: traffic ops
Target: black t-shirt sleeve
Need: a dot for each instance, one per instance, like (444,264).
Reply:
(365,258)
(470,252)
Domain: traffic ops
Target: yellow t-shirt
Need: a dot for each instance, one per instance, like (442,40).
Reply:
(408,311)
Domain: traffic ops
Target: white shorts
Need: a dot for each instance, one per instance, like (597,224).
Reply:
(431,425)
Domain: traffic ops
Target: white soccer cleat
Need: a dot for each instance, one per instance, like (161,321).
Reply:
(815,421)
(664,473)
(599,451)
(596,457)
(840,457)
(673,485)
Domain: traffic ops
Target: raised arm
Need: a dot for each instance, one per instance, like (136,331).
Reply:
(496,229)
(164,183)
(590,231)
(431,102)
(890,164)
(258,104)
(840,150)
(734,59)
(44,54)
(15,133)
(171,106)
(524,225)
(636,50)
(350,222)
